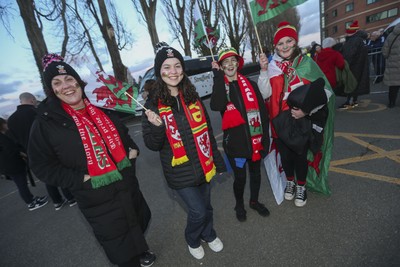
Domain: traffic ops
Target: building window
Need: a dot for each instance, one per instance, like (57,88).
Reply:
(347,25)
(371,1)
(334,13)
(382,15)
(349,7)
(334,29)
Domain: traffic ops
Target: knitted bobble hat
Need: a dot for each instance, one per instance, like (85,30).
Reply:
(353,28)
(163,52)
(328,42)
(54,65)
(229,52)
(285,30)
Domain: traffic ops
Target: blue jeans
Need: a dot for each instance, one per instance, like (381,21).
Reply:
(200,214)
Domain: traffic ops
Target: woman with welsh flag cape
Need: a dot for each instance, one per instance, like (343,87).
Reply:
(289,71)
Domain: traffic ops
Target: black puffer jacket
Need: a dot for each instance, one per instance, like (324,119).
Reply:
(355,52)
(11,162)
(189,173)
(118,213)
(237,140)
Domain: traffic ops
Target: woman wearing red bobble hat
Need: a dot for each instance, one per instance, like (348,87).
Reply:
(290,71)
(245,125)
(77,146)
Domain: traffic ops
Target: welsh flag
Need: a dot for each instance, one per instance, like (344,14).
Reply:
(104,91)
(200,30)
(262,10)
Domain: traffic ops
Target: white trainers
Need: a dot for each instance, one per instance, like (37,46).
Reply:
(216,245)
(301,196)
(290,190)
(198,253)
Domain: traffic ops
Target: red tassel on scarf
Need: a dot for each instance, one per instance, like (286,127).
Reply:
(232,117)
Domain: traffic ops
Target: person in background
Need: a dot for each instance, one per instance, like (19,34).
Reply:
(245,124)
(375,44)
(288,70)
(19,124)
(355,52)
(77,146)
(391,52)
(177,125)
(315,48)
(148,90)
(12,164)
(329,59)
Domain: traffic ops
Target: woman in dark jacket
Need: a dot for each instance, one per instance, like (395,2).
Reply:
(177,125)
(245,124)
(74,145)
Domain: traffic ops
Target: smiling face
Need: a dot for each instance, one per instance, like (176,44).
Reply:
(172,73)
(230,66)
(285,47)
(67,89)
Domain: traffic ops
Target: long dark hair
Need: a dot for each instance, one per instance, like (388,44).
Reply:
(163,94)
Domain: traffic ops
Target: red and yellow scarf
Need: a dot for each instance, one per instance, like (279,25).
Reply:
(102,144)
(232,115)
(197,120)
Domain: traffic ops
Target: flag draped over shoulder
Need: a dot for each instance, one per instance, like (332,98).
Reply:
(203,35)
(104,91)
(262,10)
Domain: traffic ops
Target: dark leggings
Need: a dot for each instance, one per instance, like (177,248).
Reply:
(293,163)
(240,180)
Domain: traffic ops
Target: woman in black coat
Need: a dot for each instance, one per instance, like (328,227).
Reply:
(74,145)
(177,125)
(245,124)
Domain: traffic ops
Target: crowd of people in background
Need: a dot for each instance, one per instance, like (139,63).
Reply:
(289,110)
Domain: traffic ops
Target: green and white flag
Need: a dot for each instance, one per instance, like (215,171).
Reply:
(199,29)
(262,10)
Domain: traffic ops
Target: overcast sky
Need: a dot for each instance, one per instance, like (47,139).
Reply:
(18,71)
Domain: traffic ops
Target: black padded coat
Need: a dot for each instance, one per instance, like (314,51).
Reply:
(189,173)
(118,213)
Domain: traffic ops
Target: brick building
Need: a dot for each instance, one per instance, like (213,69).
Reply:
(372,15)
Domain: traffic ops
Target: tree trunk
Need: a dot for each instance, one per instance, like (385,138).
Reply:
(34,33)
(109,37)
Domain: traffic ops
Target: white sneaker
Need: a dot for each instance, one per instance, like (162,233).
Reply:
(198,253)
(216,245)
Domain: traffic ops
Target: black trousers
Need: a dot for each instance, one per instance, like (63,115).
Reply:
(393,92)
(55,195)
(22,184)
(240,180)
(293,164)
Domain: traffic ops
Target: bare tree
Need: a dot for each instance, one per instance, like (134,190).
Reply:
(34,32)
(233,16)
(179,14)
(210,11)
(147,10)
(108,33)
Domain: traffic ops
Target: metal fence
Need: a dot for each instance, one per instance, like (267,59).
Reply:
(376,64)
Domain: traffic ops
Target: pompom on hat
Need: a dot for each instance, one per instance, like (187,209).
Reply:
(328,42)
(353,28)
(285,30)
(54,65)
(229,52)
(163,52)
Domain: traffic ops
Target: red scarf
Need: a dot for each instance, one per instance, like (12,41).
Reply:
(102,144)
(253,115)
(197,120)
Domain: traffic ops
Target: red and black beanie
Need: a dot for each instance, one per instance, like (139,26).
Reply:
(54,65)
(163,52)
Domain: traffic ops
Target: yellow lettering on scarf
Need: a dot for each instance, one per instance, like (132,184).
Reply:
(195,114)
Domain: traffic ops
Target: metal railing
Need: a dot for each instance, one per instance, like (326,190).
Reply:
(376,64)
